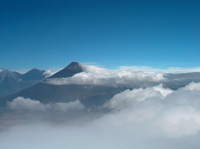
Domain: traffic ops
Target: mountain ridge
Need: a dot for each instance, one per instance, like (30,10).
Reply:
(12,81)
(93,95)
(89,95)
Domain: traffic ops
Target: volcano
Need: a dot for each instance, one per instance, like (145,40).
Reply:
(89,95)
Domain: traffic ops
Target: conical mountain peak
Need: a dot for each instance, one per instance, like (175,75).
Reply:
(73,65)
(72,69)
(33,74)
(35,70)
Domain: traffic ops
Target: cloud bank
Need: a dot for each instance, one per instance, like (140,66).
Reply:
(175,113)
(167,70)
(93,75)
(148,118)
(131,77)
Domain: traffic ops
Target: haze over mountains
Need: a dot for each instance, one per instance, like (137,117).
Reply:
(92,85)
(11,81)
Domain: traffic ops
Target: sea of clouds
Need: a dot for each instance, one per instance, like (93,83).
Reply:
(147,118)
(131,77)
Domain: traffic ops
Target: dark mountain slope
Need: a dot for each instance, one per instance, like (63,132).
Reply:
(175,81)
(45,93)
(90,95)
(69,71)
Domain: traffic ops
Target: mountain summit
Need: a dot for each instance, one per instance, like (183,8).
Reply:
(10,74)
(69,71)
(33,74)
(12,82)
(89,95)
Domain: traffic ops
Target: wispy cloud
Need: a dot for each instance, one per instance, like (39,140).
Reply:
(53,70)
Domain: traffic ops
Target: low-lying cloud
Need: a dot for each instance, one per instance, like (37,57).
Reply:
(175,113)
(93,75)
(148,118)
(21,103)
(131,77)
(167,70)
(129,97)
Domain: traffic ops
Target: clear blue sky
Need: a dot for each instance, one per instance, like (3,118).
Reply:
(52,33)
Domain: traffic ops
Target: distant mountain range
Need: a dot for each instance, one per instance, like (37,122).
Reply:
(90,95)
(33,84)
(12,82)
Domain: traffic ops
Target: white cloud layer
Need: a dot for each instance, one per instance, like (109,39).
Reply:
(192,87)
(21,103)
(128,97)
(151,118)
(93,75)
(175,113)
(167,70)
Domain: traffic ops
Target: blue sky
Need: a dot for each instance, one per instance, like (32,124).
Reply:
(50,34)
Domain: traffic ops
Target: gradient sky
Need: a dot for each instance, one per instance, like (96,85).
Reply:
(51,33)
